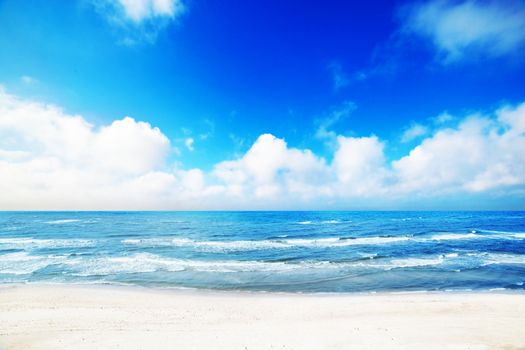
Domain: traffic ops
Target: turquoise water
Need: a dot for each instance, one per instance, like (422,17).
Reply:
(269,251)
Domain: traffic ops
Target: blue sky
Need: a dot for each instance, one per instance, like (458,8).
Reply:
(215,76)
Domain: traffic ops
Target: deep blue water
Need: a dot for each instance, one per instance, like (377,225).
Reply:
(270,251)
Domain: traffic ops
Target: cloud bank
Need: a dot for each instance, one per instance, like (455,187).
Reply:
(53,160)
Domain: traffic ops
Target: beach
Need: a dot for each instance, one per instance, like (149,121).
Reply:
(41,316)
(262,280)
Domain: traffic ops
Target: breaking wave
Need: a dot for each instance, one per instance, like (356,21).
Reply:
(34,243)
(24,263)
(249,245)
(261,244)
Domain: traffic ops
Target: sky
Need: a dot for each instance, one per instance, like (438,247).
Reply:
(252,105)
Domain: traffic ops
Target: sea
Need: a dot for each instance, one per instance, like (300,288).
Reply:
(305,252)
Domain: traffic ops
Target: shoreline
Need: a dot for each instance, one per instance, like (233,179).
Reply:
(247,292)
(65,316)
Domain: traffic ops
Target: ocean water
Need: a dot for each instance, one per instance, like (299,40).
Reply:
(268,251)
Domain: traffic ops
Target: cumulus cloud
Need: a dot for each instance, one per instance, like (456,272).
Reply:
(460,30)
(50,159)
(271,169)
(359,164)
(480,154)
(125,146)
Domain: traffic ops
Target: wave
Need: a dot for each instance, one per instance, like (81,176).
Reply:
(414,262)
(34,243)
(339,242)
(476,234)
(146,262)
(10,228)
(287,243)
(22,263)
(246,245)
(455,236)
(283,242)
(502,258)
(323,222)
(207,245)
(63,221)
(505,234)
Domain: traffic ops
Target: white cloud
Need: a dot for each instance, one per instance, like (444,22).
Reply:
(125,146)
(513,118)
(49,159)
(324,130)
(140,10)
(26,79)
(459,30)
(359,166)
(413,132)
(53,160)
(188,142)
(139,21)
(482,153)
(340,79)
(443,118)
(271,169)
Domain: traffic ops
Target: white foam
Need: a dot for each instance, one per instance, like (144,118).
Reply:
(138,263)
(146,262)
(10,228)
(286,243)
(415,262)
(502,258)
(337,242)
(206,245)
(331,222)
(455,236)
(21,263)
(32,243)
(505,234)
(309,222)
(475,234)
(134,241)
(63,221)
(390,264)
(244,245)
(24,263)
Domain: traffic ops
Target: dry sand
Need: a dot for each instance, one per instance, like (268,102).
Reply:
(83,317)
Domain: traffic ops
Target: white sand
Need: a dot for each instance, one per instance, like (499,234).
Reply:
(76,317)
